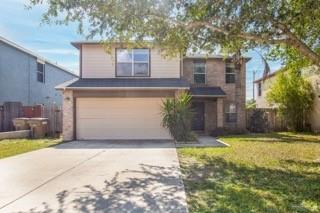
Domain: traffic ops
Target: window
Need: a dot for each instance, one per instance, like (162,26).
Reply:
(132,62)
(259,89)
(199,72)
(231,113)
(40,72)
(230,73)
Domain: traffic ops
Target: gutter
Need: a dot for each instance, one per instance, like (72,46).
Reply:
(209,96)
(122,88)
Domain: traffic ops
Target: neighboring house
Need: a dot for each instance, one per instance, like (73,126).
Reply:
(119,95)
(264,84)
(28,78)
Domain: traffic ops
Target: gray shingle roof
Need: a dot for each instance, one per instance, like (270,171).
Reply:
(127,82)
(207,91)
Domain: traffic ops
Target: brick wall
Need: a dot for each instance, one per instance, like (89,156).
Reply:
(235,92)
(68,119)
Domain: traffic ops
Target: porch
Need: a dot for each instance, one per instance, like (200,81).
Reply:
(207,104)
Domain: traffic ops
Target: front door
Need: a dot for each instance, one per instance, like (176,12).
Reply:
(198,119)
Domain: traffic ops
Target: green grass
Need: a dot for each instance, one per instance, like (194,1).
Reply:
(12,147)
(277,172)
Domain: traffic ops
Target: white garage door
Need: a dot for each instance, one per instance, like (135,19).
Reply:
(119,118)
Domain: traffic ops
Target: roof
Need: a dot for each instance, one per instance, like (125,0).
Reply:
(22,49)
(77,45)
(207,92)
(126,83)
(263,78)
(210,56)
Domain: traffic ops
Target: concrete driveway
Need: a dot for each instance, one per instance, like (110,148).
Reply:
(135,176)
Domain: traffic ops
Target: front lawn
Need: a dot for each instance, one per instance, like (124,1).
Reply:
(277,172)
(12,147)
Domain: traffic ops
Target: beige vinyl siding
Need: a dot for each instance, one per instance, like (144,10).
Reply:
(261,101)
(119,118)
(164,67)
(96,63)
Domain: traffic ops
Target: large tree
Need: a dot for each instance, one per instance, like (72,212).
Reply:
(291,28)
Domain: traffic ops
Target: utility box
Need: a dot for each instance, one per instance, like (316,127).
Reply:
(21,124)
(39,127)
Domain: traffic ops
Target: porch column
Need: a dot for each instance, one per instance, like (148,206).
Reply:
(220,112)
(68,116)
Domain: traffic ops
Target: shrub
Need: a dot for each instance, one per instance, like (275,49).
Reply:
(177,116)
(293,96)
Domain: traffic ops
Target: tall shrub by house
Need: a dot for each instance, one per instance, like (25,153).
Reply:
(177,116)
(293,96)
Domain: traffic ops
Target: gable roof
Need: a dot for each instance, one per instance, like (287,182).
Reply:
(263,78)
(22,49)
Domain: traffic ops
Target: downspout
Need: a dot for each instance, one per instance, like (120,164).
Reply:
(29,82)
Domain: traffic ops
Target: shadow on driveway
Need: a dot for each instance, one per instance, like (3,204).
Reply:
(149,189)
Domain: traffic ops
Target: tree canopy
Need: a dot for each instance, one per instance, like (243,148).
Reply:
(290,29)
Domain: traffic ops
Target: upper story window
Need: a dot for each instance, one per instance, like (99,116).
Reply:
(231,113)
(259,89)
(40,72)
(230,73)
(199,72)
(132,63)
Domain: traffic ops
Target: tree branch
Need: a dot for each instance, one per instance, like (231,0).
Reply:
(289,38)
(247,36)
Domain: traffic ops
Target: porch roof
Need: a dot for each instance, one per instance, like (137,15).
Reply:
(207,92)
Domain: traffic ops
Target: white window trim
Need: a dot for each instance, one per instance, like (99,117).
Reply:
(133,62)
(205,73)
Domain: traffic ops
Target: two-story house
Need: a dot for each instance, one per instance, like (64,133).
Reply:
(27,77)
(119,94)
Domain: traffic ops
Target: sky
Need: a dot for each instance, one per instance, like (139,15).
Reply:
(23,26)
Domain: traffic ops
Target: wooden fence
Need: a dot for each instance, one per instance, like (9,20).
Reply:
(54,115)
(11,110)
(264,120)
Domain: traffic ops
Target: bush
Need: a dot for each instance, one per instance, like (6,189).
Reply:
(177,116)
(293,96)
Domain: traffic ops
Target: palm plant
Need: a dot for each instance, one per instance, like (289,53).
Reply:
(177,116)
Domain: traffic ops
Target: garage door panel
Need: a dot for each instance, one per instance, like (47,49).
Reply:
(120,123)
(96,114)
(126,133)
(119,118)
